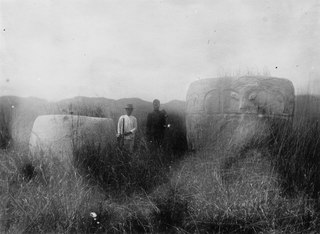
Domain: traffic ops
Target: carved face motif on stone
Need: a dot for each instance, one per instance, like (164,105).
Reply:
(255,99)
(220,107)
(231,101)
(251,100)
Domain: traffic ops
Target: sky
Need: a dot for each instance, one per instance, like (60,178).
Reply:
(56,49)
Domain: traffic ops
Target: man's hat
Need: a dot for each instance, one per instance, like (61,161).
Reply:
(129,106)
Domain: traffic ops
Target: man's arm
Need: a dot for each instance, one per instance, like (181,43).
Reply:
(135,125)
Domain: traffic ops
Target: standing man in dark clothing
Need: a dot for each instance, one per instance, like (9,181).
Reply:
(156,125)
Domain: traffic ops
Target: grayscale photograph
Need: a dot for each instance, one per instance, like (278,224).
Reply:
(159,116)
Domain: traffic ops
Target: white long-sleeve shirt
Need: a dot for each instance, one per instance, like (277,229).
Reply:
(130,125)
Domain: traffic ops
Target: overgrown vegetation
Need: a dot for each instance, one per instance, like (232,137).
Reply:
(116,171)
(5,126)
(296,152)
(5,134)
(269,186)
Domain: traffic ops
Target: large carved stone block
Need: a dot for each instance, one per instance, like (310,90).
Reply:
(236,108)
(59,136)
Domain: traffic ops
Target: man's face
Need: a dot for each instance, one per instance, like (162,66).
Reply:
(156,106)
(129,111)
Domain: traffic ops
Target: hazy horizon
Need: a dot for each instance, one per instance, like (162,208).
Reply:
(153,49)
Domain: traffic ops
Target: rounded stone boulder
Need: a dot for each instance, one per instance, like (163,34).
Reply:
(59,136)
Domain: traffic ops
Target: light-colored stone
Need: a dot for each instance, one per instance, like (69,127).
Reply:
(58,136)
(236,108)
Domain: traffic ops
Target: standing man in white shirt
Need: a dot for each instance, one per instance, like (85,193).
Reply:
(127,127)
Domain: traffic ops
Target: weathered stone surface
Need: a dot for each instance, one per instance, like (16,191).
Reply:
(236,109)
(58,136)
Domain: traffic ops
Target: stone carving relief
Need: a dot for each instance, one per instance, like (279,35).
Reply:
(212,102)
(254,96)
(241,98)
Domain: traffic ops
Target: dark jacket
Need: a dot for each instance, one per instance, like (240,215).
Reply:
(156,124)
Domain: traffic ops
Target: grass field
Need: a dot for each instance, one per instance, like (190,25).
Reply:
(271,187)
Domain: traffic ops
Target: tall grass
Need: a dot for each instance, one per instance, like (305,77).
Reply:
(264,186)
(48,196)
(117,171)
(296,152)
(251,202)
(39,197)
(5,126)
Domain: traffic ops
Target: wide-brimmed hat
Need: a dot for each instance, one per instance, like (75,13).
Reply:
(129,106)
